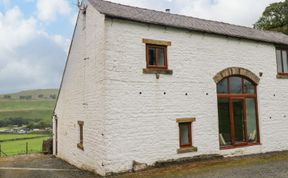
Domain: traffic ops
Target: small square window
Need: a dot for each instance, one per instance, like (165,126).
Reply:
(185,135)
(80,144)
(156,56)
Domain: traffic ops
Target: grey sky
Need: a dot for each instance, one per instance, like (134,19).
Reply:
(34,46)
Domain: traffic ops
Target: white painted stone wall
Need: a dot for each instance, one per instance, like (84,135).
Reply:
(143,127)
(81,97)
(122,125)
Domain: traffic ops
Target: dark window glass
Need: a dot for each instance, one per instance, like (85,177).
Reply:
(251,121)
(282,61)
(248,87)
(235,84)
(279,61)
(224,122)
(238,115)
(237,112)
(222,86)
(152,56)
(161,57)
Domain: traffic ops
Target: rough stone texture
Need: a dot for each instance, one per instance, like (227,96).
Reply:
(127,115)
(82,96)
(236,71)
(139,166)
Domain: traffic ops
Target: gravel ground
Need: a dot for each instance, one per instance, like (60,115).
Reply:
(255,166)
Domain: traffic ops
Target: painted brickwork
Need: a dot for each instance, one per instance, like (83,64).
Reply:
(128,117)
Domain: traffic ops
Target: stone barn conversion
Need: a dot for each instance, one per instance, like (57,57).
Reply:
(146,86)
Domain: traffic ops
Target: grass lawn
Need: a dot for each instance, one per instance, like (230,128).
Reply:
(12,136)
(19,147)
(12,105)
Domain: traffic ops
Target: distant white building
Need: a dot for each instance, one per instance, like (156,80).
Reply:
(146,86)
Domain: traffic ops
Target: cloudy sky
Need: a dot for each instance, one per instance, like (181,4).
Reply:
(35,34)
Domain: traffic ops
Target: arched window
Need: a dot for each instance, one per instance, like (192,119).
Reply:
(237,112)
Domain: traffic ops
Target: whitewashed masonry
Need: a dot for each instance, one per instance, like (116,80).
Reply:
(129,113)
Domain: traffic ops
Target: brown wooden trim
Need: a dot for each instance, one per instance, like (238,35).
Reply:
(282,76)
(156,57)
(187,150)
(238,146)
(156,42)
(189,135)
(158,71)
(243,97)
(181,120)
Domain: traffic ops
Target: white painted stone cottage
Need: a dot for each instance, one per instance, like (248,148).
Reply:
(146,86)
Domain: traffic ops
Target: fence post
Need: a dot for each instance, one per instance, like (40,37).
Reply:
(26,148)
(0,151)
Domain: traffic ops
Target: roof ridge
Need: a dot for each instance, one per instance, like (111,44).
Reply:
(158,17)
(182,15)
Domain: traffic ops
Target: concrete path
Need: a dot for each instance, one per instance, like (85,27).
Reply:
(256,166)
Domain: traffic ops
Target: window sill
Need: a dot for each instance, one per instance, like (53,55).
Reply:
(157,71)
(282,76)
(238,146)
(187,150)
(80,146)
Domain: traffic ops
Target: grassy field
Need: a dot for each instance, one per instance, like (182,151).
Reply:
(38,107)
(35,106)
(4,137)
(19,147)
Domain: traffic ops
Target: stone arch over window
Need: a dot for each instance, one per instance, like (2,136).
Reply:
(236,71)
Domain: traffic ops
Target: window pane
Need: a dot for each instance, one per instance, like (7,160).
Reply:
(224,122)
(238,120)
(161,57)
(248,87)
(279,63)
(284,59)
(184,133)
(251,120)
(235,84)
(152,56)
(222,86)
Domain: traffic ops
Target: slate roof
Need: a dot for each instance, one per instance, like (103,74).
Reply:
(184,22)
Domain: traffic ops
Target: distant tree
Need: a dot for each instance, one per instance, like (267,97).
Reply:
(22,97)
(274,18)
(53,96)
(40,96)
(29,97)
(7,96)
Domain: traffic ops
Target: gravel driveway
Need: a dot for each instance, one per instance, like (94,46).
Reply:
(255,166)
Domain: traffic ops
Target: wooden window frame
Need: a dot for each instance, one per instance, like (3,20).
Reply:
(284,74)
(80,144)
(186,148)
(165,67)
(189,134)
(230,97)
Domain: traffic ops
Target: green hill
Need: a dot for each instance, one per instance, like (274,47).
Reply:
(32,107)
(39,94)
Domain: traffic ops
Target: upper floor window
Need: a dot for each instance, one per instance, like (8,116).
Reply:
(282,61)
(156,56)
